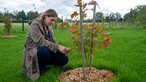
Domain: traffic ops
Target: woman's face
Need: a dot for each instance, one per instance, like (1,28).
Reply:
(50,20)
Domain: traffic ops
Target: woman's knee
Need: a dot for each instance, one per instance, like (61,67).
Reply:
(64,61)
(43,51)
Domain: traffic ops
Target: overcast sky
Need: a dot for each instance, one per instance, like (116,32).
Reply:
(66,7)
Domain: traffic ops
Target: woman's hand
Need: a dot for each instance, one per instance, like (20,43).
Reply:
(63,49)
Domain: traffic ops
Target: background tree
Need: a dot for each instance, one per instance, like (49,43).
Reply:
(100,18)
(141,15)
(118,17)
(18,16)
(137,16)
(59,20)
(7,22)
(107,18)
(32,15)
(112,18)
(1,16)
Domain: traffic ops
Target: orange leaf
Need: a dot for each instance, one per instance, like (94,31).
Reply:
(62,25)
(73,29)
(87,28)
(105,43)
(102,34)
(84,5)
(92,25)
(93,2)
(109,39)
(74,14)
(76,23)
(79,2)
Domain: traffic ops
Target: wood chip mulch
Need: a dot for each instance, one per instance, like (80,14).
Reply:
(94,75)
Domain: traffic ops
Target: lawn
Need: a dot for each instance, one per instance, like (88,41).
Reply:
(126,56)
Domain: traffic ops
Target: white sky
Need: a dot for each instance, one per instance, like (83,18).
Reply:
(66,7)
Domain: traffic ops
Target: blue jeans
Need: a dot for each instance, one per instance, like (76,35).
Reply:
(47,57)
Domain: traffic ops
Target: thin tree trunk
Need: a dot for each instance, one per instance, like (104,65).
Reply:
(92,35)
(82,41)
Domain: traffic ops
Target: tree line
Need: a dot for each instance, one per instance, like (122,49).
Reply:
(136,15)
(18,16)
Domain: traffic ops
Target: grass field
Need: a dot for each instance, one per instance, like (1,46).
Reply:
(126,56)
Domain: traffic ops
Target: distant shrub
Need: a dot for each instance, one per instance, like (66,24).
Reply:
(7,23)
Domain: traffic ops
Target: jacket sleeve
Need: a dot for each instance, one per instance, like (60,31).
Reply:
(39,38)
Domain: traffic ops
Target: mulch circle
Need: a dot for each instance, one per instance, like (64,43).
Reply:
(9,36)
(94,75)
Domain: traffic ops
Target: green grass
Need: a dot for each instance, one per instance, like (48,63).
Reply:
(126,56)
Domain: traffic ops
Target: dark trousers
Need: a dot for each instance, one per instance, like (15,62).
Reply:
(47,57)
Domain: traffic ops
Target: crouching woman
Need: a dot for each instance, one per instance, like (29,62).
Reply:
(40,48)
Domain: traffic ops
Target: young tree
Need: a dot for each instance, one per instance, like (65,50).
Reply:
(7,23)
(87,37)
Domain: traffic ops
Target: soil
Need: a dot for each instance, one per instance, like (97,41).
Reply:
(94,75)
